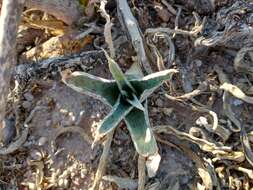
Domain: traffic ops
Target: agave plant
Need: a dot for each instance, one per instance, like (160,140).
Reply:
(127,95)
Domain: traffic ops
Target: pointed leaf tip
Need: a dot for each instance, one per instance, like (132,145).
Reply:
(118,74)
(100,88)
(147,85)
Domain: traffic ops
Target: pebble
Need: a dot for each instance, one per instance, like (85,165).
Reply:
(83,173)
(198,62)
(237,102)
(48,123)
(202,121)
(36,155)
(28,96)
(167,111)
(26,104)
(42,141)
(76,181)
(32,186)
(159,102)
(63,183)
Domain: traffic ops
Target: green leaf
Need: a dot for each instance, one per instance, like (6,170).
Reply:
(143,138)
(134,72)
(149,83)
(118,75)
(135,102)
(100,88)
(119,111)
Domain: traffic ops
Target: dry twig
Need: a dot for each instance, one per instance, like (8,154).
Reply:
(141,173)
(228,110)
(107,144)
(130,24)
(108,27)
(196,29)
(103,161)
(236,92)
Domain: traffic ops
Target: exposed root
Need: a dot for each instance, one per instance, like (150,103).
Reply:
(177,19)
(226,100)
(197,28)
(201,88)
(215,128)
(202,143)
(170,57)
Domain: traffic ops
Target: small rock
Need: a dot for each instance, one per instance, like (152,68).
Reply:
(83,173)
(42,141)
(48,123)
(237,102)
(167,111)
(28,96)
(72,175)
(201,121)
(163,13)
(36,155)
(32,186)
(76,181)
(198,63)
(159,102)
(63,183)
(26,104)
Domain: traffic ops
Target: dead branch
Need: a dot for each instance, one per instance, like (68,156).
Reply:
(199,25)
(103,161)
(9,20)
(141,173)
(66,10)
(129,22)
